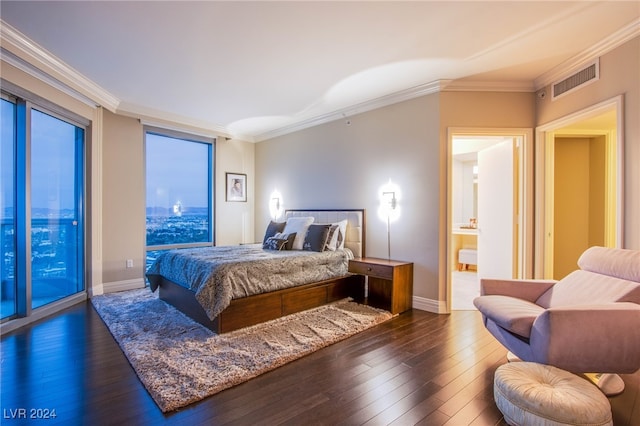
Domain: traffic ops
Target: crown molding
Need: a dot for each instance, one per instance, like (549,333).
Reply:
(29,69)
(616,39)
(165,120)
(490,86)
(403,95)
(31,58)
(379,102)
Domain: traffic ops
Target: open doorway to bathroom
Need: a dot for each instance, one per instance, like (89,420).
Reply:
(487,222)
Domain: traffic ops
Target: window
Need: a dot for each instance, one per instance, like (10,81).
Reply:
(7,209)
(179,187)
(56,194)
(41,207)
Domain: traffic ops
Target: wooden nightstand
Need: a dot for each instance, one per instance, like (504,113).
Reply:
(390,282)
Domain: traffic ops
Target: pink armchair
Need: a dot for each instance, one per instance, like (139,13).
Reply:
(588,322)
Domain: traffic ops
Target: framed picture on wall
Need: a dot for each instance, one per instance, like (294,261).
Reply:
(236,187)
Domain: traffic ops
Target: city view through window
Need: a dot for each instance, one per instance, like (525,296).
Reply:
(178,185)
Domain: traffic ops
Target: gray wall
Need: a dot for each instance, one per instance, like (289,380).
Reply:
(341,165)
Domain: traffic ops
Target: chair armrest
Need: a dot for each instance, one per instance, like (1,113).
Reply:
(529,290)
(602,338)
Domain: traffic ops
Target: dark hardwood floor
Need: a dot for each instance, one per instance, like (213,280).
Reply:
(418,368)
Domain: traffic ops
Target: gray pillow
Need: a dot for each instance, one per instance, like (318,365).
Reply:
(272,229)
(316,238)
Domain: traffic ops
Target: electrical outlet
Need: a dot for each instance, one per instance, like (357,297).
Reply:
(129,263)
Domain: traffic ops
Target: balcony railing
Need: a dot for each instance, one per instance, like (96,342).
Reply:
(54,261)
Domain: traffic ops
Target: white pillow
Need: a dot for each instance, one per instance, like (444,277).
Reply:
(338,237)
(299,225)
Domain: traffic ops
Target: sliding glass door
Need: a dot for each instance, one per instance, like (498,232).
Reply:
(7,209)
(56,198)
(41,207)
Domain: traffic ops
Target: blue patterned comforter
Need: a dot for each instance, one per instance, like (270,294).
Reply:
(219,274)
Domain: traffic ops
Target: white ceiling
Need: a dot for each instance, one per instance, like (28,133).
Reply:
(256,69)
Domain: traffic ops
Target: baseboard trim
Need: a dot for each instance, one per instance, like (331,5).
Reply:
(429,305)
(124,285)
(42,312)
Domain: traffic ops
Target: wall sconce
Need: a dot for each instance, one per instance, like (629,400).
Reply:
(389,210)
(275,205)
(392,202)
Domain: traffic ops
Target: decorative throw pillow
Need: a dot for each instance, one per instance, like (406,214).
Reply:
(272,229)
(337,238)
(332,238)
(279,241)
(299,225)
(274,243)
(342,235)
(290,238)
(316,237)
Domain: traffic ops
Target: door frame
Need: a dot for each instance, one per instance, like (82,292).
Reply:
(544,156)
(525,190)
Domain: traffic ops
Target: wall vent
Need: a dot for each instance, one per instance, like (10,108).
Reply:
(586,75)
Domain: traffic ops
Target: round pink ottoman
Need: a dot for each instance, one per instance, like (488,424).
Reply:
(528,393)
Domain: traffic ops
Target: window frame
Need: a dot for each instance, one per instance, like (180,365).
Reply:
(187,137)
(25,102)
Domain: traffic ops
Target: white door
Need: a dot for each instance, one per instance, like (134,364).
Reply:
(496,211)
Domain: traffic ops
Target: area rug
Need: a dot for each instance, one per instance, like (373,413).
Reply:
(181,362)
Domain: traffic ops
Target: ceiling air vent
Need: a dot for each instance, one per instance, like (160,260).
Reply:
(585,76)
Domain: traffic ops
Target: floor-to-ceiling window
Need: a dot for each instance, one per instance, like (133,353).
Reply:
(7,208)
(56,213)
(179,187)
(41,205)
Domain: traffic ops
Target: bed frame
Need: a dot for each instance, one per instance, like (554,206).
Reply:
(259,308)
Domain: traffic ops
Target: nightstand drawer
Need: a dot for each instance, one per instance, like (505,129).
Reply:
(373,270)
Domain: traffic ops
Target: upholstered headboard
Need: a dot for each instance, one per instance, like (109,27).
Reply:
(355,238)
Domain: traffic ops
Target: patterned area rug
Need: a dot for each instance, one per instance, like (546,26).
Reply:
(181,362)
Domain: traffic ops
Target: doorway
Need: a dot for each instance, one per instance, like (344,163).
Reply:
(583,207)
(488,228)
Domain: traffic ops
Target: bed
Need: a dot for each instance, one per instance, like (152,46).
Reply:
(230,287)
